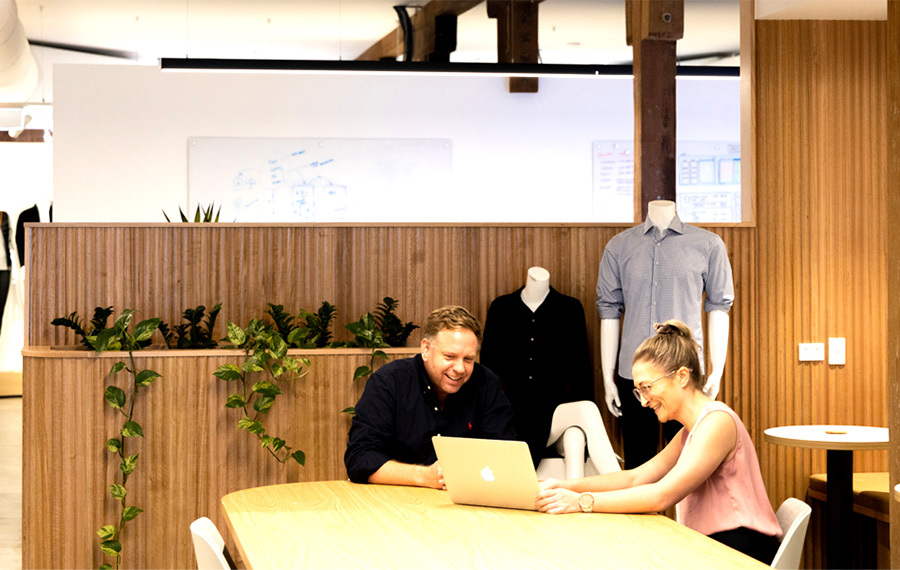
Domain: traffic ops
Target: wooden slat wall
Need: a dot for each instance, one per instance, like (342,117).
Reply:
(821,237)
(163,269)
(892,237)
(160,270)
(192,453)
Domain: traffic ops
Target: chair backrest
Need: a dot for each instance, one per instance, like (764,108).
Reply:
(209,546)
(584,415)
(793,517)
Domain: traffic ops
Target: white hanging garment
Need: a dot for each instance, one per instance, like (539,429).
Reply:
(12,330)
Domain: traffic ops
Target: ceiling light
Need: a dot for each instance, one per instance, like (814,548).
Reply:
(417,68)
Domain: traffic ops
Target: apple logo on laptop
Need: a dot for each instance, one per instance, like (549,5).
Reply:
(487,474)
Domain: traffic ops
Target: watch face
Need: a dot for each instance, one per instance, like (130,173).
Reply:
(586,501)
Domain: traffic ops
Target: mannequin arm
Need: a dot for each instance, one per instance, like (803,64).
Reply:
(717,325)
(609,347)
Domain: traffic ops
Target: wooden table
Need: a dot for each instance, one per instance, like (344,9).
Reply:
(839,442)
(338,524)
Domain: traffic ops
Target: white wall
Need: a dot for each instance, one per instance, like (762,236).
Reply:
(121,132)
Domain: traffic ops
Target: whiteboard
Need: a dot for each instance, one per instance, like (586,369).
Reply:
(316,179)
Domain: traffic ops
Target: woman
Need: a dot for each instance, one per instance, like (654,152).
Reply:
(709,470)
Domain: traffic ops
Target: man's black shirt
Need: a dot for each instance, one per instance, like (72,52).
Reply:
(399,413)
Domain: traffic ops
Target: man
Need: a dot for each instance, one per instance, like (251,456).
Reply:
(442,391)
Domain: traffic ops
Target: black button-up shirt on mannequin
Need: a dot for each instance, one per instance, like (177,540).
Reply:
(542,357)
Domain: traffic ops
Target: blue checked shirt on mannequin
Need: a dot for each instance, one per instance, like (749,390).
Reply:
(652,278)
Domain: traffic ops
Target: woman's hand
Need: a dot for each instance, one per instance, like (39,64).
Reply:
(555,499)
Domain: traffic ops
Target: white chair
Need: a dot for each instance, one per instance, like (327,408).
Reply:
(576,425)
(209,546)
(793,517)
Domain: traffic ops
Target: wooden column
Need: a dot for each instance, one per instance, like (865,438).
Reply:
(892,258)
(652,28)
(517,37)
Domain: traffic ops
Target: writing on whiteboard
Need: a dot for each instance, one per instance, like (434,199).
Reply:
(319,180)
(292,186)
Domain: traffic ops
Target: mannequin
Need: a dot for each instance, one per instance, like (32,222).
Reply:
(537,286)
(535,339)
(661,215)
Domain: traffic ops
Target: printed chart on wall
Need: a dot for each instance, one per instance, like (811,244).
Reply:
(613,181)
(708,181)
(318,179)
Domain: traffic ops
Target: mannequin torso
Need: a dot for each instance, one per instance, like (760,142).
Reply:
(537,286)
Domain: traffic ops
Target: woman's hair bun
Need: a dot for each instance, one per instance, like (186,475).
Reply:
(673,327)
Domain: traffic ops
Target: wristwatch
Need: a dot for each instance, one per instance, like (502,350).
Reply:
(586,502)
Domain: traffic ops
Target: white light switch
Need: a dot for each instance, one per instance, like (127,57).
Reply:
(812,351)
(837,351)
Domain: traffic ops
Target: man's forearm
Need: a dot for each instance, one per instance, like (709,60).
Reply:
(396,473)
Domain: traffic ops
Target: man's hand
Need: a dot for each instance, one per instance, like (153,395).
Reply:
(431,476)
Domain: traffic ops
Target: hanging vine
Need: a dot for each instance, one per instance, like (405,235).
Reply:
(117,337)
(264,351)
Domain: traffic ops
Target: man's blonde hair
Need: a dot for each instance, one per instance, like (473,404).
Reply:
(449,318)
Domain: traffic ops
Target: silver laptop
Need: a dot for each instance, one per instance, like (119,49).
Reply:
(487,472)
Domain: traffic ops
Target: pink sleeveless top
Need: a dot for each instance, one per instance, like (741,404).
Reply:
(734,495)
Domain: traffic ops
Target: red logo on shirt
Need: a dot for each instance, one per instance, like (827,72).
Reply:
(470,425)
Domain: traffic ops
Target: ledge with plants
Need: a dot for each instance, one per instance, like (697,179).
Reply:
(262,359)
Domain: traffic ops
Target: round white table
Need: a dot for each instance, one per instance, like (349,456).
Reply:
(840,442)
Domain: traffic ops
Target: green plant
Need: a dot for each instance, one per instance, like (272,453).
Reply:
(207,214)
(314,332)
(381,330)
(265,351)
(194,333)
(319,323)
(366,334)
(74,322)
(117,337)
(395,332)
(283,320)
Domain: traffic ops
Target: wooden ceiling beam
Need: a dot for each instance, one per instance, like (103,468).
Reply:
(517,37)
(26,136)
(424,31)
(652,29)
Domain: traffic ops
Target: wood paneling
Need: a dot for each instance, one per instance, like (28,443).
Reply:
(821,236)
(191,456)
(162,269)
(892,257)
